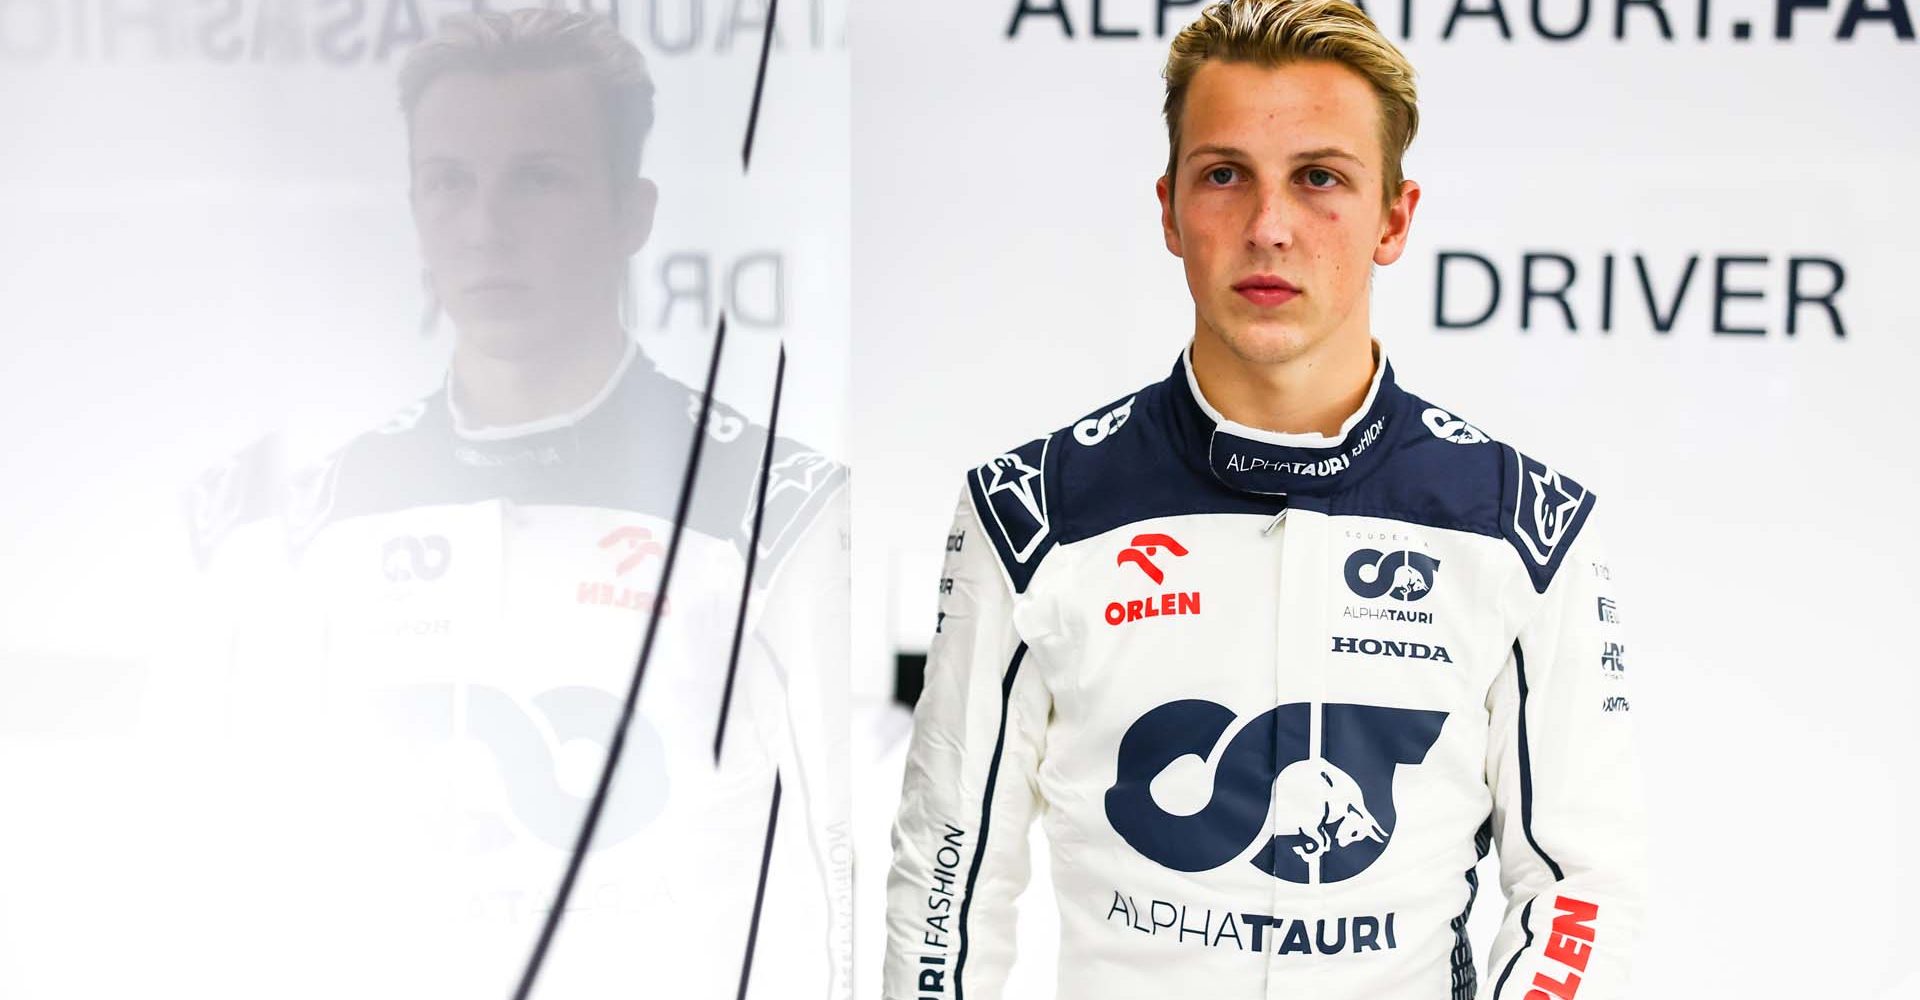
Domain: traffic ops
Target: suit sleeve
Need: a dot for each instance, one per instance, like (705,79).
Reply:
(970,790)
(805,939)
(1567,808)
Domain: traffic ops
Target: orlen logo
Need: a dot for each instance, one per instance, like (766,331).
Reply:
(1570,943)
(633,545)
(1333,813)
(639,546)
(1145,547)
(1141,554)
(1403,575)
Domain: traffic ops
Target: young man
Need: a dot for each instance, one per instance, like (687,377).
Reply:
(479,574)
(1277,649)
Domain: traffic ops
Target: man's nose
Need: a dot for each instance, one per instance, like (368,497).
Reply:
(487,222)
(1273,218)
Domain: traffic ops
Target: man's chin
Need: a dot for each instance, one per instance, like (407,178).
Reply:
(1267,343)
(517,340)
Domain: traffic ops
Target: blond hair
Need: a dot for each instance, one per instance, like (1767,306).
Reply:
(1273,33)
(543,39)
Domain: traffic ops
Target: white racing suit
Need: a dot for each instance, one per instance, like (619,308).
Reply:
(440,667)
(1268,752)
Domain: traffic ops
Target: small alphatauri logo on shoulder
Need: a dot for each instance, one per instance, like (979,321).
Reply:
(1448,427)
(1094,430)
(725,426)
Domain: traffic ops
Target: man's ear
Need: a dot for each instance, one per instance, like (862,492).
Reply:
(1393,236)
(1164,190)
(635,206)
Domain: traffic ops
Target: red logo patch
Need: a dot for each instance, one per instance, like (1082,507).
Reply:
(632,545)
(1144,548)
(1570,943)
(1141,554)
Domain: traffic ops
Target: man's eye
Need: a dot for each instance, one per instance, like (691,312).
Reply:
(441,181)
(1214,174)
(1319,172)
(543,178)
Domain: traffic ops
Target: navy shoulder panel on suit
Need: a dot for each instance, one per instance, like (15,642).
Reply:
(1139,457)
(628,453)
(1010,493)
(1447,473)
(1542,510)
(1441,472)
(1151,464)
(1148,455)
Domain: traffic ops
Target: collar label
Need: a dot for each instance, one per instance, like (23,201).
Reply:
(1260,467)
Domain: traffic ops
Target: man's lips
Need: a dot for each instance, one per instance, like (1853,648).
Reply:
(1266,289)
(496,285)
(1272,281)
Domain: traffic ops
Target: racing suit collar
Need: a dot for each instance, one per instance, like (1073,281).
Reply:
(503,432)
(1251,460)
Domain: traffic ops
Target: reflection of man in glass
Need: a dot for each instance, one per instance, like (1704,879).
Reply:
(528,201)
(479,572)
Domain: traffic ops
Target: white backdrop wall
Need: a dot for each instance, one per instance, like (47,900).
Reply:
(1010,277)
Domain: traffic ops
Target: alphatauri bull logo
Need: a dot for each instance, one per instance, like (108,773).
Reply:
(1324,806)
(1333,813)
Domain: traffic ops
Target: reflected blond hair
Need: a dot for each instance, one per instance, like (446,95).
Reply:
(1273,33)
(532,39)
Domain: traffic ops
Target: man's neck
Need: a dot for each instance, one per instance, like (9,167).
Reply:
(491,391)
(1312,393)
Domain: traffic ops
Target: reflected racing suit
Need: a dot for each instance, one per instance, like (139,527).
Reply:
(1273,696)
(447,641)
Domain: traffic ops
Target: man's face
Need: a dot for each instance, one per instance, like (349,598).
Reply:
(525,231)
(1278,178)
